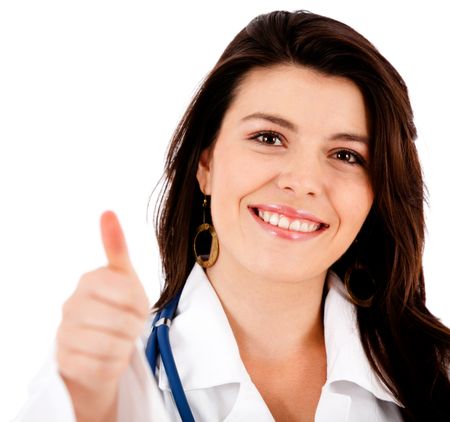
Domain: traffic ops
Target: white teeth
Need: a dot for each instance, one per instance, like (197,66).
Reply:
(304,227)
(274,220)
(284,223)
(295,225)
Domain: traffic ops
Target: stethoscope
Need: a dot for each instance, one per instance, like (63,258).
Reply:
(158,342)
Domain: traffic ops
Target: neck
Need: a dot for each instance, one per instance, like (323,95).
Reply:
(271,319)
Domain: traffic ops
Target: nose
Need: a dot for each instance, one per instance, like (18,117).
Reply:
(302,174)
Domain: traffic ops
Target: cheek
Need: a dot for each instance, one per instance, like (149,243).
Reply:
(226,185)
(352,201)
(236,173)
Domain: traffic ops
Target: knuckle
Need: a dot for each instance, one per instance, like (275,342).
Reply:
(120,348)
(62,337)
(60,357)
(124,323)
(87,369)
(89,278)
(138,325)
(143,303)
(59,336)
(105,346)
(125,296)
(67,305)
(104,369)
(86,279)
(110,346)
(66,363)
(131,298)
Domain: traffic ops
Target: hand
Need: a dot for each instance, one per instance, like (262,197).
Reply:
(100,323)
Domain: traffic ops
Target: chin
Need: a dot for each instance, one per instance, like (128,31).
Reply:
(280,272)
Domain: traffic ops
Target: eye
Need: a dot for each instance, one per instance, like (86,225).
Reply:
(268,138)
(351,157)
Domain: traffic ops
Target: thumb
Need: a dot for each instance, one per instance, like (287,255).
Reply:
(114,243)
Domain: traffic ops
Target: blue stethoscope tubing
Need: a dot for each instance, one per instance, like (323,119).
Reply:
(158,342)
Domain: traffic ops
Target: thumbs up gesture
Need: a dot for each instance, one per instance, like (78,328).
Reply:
(100,323)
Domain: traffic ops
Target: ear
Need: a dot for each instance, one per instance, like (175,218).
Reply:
(204,171)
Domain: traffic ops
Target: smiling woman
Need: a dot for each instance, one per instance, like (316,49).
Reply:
(297,156)
(303,122)
(309,172)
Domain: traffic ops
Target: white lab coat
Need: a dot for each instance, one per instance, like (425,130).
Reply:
(216,383)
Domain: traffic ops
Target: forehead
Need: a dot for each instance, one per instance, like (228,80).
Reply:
(302,95)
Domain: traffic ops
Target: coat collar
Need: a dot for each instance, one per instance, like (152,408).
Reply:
(200,333)
(346,359)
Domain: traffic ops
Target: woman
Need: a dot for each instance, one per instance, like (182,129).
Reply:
(297,157)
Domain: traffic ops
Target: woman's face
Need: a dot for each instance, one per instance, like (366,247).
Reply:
(292,145)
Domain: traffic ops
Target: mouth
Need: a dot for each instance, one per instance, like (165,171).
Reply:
(288,227)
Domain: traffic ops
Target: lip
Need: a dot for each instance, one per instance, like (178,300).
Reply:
(289,212)
(286,234)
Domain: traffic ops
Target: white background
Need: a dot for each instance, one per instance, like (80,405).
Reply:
(90,93)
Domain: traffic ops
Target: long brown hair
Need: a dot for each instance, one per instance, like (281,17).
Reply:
(406,345)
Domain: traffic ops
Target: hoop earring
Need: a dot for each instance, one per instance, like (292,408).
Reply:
(356,281)
(214,249)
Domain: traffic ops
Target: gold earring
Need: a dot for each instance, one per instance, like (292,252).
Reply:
(214,250)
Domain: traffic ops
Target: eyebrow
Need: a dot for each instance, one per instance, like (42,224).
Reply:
(272,118)
(280,121)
